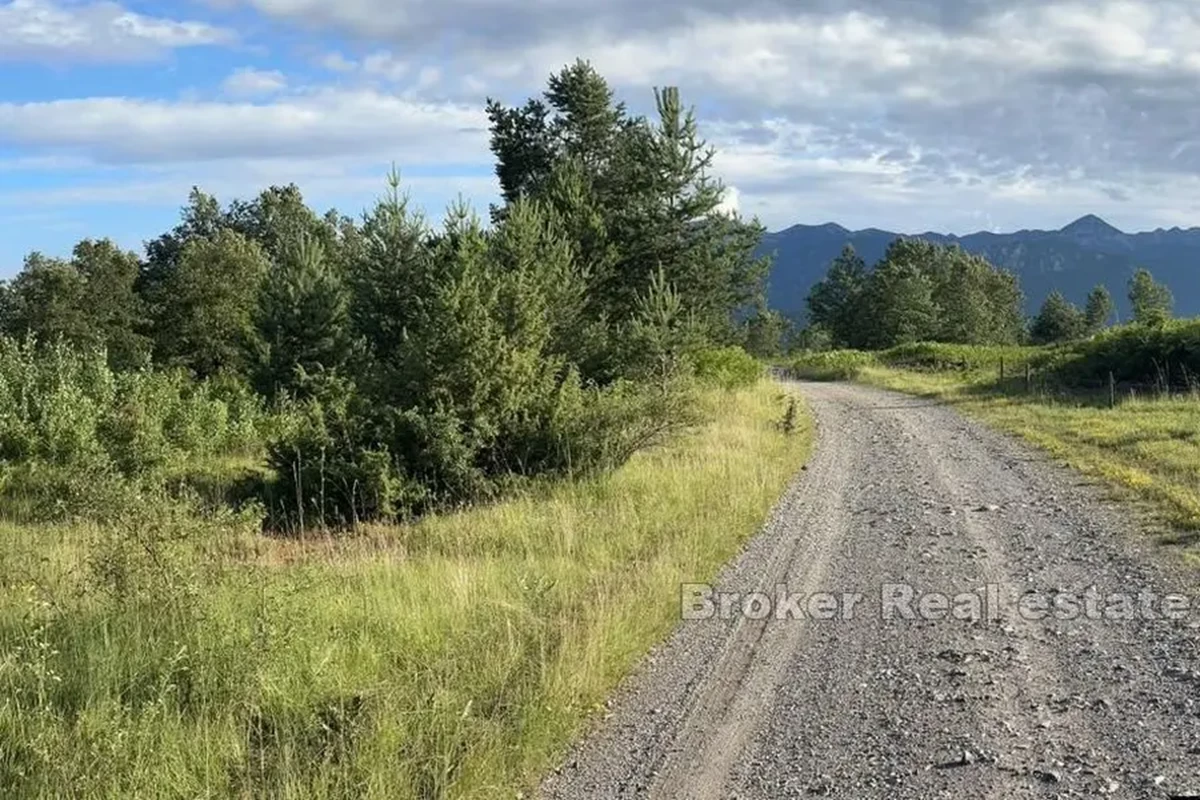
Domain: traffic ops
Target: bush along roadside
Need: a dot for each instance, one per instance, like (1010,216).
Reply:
(340,371)
(169,654)
(524,424)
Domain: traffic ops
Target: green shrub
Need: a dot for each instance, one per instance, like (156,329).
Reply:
(728,367)
(1162,356)
(613,423)
(939,356)
(340,460)
(51,400)
(71,428)
(831,365)
(330,468)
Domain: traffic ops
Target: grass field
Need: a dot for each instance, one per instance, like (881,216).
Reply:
(1147,447)
(455,657)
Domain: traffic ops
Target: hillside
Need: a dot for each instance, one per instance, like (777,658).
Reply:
(1072,260)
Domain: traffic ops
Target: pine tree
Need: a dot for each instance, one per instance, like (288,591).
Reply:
(1097,310)
(918,289)
(390,271)
(303,318)
(522,144)
(765,330)
(1151,300)
(977,304)
(707,255)
(1057,321)
(834,302)
(899,307)
(1006,304)
(588,122)
(635,196)
(661,335)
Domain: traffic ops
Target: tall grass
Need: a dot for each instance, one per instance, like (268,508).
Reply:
(181,656)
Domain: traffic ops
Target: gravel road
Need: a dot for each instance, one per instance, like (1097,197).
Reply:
(992,698)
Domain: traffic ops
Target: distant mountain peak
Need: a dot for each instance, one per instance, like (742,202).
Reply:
(1091,225)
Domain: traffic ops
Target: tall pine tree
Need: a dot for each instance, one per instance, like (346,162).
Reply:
(303,318)
(1097,310)
(1152,301)
(1056,321)
(636,198)
(835,302)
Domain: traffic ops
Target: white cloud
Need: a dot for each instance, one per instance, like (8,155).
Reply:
(320,123)
(920,114)
(94,32)
(349,184)
(428,77)
(787,174)
(250,82)
(923,96)
(846,60)
(384,65)
(873,36)
(336,62)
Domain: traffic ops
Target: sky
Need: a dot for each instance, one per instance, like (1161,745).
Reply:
(908,115)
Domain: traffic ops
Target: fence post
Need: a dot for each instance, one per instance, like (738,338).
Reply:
(1112,390)
(1028,378)
(1002,369)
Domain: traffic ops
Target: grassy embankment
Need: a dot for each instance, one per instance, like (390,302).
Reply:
(454,657)
(1146,446)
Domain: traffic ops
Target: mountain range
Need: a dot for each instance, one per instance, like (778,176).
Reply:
(1072,259)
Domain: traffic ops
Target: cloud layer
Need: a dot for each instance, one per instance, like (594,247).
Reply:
(910,114)
(326,122)
(41,30)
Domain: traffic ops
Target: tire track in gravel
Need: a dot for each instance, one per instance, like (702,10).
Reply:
(902,491)
(721,719)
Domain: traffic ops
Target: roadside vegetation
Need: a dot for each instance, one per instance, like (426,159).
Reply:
(455,656)
(300,505)
(926,292)
(381,368)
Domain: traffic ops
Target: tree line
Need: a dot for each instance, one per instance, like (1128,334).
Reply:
(921,291)
(1059,320)
(429,365)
